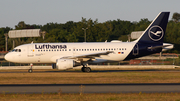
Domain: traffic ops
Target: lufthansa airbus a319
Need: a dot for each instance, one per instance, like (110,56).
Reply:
(64,56)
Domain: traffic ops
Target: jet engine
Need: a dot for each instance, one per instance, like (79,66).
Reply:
(63,64)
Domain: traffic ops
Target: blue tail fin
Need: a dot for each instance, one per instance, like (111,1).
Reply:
(156,30)
(151,41)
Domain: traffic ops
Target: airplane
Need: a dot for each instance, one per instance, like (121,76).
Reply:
(65,56)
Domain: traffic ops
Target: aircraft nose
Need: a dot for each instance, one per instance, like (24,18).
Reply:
(7,57)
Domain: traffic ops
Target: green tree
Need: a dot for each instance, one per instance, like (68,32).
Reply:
(23,25)
(176,17)
(142,25)
(2,37)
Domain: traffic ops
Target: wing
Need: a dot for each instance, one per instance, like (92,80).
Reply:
(83,57)
(87,57)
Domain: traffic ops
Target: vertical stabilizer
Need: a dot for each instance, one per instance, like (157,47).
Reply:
(151,41)
(156,30)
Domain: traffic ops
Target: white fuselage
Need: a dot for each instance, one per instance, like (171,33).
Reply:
(49,52)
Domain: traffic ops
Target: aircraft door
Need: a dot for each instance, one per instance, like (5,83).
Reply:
(30,51)
(136,50)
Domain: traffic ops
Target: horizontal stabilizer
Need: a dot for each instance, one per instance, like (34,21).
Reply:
(157,47)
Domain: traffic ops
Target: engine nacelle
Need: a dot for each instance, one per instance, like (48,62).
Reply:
(63,64)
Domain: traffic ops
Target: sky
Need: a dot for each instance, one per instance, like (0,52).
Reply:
(41,12)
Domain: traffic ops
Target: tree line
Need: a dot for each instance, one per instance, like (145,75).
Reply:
(96,32)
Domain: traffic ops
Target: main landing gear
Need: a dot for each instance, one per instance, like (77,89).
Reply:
(86,69)
(30,70)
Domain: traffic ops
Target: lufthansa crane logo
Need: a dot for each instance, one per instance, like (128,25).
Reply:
(156,33)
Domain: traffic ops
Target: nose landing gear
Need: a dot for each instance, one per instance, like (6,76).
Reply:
(30,70)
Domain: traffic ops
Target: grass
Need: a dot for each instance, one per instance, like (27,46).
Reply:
(98,76)
(92,97)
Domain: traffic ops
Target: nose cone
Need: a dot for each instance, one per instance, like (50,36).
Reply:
(8,57)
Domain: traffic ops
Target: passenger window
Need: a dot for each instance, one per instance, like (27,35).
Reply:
(69,49)
(122,48)
(19,50)
(84,49)
(87,49)
(76,49)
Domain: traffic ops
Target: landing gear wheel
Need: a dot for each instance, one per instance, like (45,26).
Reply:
(86,69)
(30,70)
(83,69)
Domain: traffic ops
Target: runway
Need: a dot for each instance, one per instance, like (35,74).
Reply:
(90,88)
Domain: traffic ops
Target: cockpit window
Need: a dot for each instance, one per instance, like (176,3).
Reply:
(16,50)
